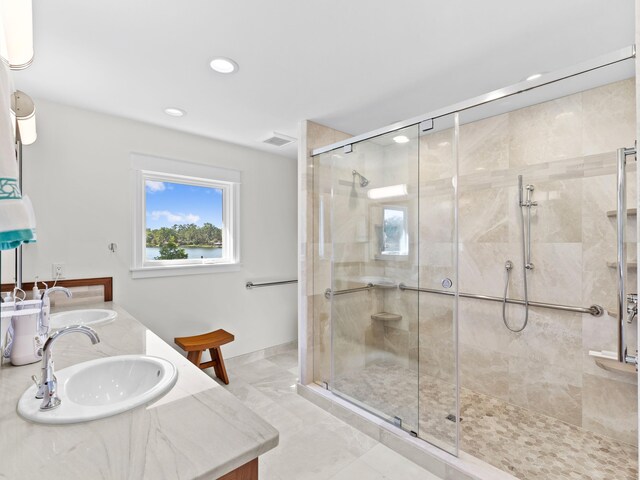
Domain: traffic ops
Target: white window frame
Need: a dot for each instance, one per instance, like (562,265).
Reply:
(146,167)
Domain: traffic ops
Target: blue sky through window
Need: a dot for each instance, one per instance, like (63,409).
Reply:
(170,203)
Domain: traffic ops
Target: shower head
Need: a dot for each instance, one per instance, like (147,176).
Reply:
(363,181)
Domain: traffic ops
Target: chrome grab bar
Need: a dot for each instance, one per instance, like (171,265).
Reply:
(328,293)
(621,276)
(250,285)
(595,310)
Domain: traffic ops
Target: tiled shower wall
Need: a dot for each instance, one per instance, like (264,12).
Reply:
(566,148)
(315,261)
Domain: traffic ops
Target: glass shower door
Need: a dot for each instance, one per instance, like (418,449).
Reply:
(374,325)
(438,282)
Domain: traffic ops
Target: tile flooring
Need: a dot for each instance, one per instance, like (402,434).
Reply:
(314,445)
(528,445)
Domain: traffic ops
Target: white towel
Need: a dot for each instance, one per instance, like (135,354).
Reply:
(17,220)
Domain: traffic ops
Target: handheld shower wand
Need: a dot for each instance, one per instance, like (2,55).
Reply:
(520,202)
(526,254)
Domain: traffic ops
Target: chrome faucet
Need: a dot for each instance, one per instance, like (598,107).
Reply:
(44,309)
(48,386)
(51,290)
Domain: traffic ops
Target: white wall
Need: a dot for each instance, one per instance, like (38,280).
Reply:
(77,174)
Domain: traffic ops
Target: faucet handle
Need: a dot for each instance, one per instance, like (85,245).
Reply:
(50,399)
(39,385)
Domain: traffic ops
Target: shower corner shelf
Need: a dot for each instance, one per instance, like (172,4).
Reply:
(386,317)
(609,361)
(631,212)
(611,312)
(630,265)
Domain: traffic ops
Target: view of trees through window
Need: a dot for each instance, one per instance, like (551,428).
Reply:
(183,221)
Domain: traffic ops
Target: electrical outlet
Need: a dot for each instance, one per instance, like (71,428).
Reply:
(58,270)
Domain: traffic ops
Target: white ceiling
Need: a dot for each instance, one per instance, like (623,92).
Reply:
(354,65)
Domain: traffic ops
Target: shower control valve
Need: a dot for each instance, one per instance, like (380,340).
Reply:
(529,266)
(632,307)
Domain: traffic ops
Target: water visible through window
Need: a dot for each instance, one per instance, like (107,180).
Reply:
(183,221)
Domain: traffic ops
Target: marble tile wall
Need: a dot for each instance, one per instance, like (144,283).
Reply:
(566,148)
(315,253)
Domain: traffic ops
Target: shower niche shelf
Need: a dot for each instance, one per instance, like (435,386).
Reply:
(386,317)
(632,212)
(630,265)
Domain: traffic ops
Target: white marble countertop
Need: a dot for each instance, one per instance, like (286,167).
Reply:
(197,430)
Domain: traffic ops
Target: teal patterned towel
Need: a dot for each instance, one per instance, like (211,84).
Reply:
(17,221)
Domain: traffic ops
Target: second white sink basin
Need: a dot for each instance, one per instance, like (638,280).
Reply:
(101,388)
(87,316)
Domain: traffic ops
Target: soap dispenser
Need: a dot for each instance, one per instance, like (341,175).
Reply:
(36,290)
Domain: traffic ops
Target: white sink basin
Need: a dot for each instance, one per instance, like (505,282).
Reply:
(101,388)
(90,316)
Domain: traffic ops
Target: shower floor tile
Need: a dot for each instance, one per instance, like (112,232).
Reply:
(528,445)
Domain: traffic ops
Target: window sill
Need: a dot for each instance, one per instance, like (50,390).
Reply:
(178,270)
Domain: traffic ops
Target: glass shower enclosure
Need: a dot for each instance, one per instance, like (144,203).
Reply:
(382,255)
(466,267)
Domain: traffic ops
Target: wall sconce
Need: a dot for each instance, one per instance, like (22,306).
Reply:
(24,112)
(16,26)
(387,192)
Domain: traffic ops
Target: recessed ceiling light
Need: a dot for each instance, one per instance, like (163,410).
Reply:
(224,65)
(401,139)
(533,77)
(174,112)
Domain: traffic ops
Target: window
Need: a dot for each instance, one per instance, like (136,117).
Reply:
(391,232)
(395,240)
(186,218)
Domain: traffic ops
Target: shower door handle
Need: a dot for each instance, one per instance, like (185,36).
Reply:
(621,276)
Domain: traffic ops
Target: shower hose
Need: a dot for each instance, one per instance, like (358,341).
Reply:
(508,267)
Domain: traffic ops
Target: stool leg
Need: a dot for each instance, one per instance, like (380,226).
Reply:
(194,357)
(221,371)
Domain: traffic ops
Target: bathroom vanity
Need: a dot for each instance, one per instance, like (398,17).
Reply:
(197,430)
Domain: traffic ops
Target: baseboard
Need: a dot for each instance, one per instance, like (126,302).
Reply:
(260,354)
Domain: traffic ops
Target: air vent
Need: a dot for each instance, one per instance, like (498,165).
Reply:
(279,140)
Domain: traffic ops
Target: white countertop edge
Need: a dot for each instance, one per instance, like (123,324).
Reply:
(198,458)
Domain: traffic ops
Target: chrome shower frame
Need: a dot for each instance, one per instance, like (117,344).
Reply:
(621,277)
(426,121)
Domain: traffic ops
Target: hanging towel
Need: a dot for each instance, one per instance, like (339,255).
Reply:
(17,220)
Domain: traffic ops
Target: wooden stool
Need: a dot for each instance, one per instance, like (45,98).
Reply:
(194,346)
